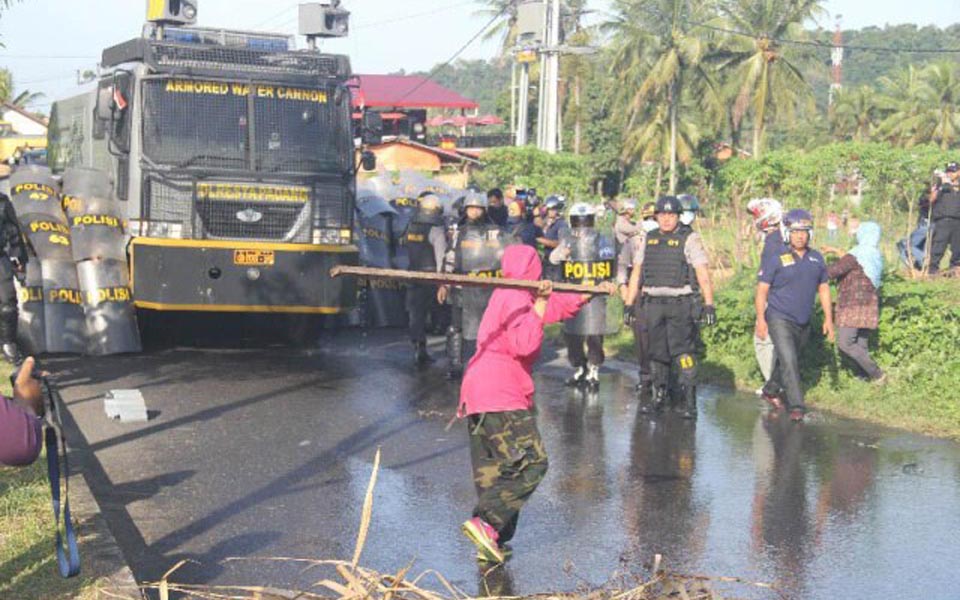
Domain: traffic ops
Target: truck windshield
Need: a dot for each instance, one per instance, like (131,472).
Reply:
(190,123)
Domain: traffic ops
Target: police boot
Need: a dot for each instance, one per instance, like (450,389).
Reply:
(689,402)
(420,355)
(454,353)
(661,397)
(577,378)
(8,335)
(592,380)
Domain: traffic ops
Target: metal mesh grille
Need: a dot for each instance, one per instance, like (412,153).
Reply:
(333,209)
(255,220)
(244,59)
(297,130)
(169,201)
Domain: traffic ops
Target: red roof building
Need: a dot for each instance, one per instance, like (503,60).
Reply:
(406,91)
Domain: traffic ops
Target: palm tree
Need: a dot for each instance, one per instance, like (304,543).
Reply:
(8,95)
(926,107)
(504,15)
(856,113)
(656,51)
(765,79)
(652,141)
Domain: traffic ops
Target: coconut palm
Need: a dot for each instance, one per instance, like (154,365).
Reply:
(856,113)
(652,140)
(9,95)
(656,50)
(504,15)
(925,106)
(764,77)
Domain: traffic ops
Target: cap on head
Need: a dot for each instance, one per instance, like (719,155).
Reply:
(582,215)
(798,219)
(669,204)
(953,167)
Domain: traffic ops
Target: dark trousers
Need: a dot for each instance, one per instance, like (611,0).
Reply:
(853,342)
(672,335)
(946,233)
(509,462)
(641,340)
(420,298)
(788,340)
(580,357)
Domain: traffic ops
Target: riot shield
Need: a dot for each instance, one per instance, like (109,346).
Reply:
(479,250)
(108,304)
(34,191)
(63,317)
(592,261)
(48,237)
(30,330)
(88,192)
(94,218)
(383,302)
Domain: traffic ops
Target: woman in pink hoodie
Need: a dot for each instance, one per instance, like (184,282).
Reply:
(496,397)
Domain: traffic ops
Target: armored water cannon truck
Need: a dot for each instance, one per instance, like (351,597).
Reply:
(234,155)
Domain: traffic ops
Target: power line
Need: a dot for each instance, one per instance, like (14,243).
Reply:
(439,67)
(47,57)
(271,18)
(402,18)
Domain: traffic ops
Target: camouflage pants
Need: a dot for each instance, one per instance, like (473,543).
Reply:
(509,462)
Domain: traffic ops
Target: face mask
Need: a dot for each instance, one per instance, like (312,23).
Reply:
(688,217)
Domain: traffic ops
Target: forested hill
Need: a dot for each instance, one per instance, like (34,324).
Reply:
(866,67)
(488,81)
(484,81)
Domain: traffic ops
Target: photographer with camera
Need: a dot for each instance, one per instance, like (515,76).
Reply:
(945,215)
(20,419)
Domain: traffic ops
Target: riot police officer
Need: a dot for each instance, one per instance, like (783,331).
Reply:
(553,229)
(587,258)
(946,220)
(13,262)
(661,281)
(475,250)
(425,241)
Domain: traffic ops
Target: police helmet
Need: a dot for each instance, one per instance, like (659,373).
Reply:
(669,204)
(798,219)
(648,211)
(691,207)
(475,200)
(582,215)
(429,208)
(554,202)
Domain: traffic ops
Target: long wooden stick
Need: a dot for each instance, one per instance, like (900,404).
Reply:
(461,280)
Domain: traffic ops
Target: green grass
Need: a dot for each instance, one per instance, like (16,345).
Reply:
(28,567)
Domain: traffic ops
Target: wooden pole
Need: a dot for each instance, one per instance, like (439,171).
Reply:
(460,280)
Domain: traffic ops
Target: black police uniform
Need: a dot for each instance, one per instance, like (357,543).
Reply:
(477,248)
(12,248)
(946,227)
(671,318)
(422,241)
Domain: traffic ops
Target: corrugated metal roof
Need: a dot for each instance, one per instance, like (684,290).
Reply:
(406,91)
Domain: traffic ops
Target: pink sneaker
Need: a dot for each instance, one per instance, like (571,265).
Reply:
(484,537)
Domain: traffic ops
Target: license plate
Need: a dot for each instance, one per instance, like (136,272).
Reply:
(254,258)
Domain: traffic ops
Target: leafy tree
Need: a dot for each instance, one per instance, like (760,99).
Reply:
(8,93)
(764,78)
(926,106)
(856,113)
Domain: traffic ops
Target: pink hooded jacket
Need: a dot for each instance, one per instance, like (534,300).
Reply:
(20,435)
(498,378)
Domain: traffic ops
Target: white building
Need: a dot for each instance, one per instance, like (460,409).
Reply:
(21,121)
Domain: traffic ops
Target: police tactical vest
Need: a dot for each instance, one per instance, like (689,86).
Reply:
(419,248)
(664,261)
(947,205)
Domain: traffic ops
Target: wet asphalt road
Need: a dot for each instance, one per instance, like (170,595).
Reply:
(268,453)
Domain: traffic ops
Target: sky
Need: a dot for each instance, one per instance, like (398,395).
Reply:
(47,41)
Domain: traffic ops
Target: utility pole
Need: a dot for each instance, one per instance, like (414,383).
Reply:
(551,129)
(531,27)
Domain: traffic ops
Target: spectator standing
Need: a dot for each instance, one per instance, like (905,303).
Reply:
(858,274)
(946,221)
(496,209)
(788,285)
(833,225)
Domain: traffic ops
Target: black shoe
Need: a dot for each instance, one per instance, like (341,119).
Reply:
(420,355)
(578,377)
(454,374)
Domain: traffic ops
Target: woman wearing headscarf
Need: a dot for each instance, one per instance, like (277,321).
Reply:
(858,274)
